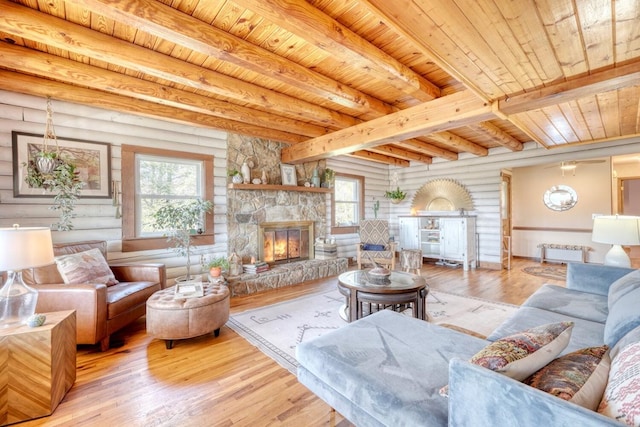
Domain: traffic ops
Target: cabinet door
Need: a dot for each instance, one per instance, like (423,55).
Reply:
(452,238)
(409,228)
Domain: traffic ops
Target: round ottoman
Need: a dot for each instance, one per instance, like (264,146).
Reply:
(411,260)
(175,319)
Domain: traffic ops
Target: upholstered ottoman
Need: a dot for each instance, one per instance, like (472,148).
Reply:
(172,319)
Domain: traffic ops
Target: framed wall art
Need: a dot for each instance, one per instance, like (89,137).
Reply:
(288,175)
(92,160)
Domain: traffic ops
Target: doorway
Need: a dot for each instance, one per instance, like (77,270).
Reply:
(505,218)
(629,203)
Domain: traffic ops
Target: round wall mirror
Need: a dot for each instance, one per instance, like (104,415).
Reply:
(560,198)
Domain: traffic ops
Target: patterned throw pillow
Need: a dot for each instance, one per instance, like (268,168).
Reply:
(621,399)
(85,267)
(579,377)
(521,354)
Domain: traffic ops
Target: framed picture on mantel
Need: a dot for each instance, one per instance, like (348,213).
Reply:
(288,175)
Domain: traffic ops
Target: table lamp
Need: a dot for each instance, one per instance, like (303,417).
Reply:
(617,230)
(21,248)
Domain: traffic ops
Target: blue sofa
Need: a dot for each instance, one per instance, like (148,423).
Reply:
(386,369)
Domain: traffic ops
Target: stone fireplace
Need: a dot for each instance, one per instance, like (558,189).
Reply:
(285,241)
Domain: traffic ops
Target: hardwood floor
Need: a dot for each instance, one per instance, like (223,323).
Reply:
(225,381)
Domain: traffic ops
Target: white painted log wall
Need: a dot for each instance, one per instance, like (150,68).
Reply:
(95,218)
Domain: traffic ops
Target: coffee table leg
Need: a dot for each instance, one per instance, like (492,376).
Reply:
(353,306)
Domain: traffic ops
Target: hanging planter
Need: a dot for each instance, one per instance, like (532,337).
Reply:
(55,174)
(395,196)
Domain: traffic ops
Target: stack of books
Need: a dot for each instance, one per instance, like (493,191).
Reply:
(256,267)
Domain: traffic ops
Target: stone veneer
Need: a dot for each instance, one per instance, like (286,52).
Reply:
(286,275)
(247,208)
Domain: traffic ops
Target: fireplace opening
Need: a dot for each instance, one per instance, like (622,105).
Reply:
(287,241)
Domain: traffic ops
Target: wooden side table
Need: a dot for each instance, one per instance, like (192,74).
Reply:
(37,367)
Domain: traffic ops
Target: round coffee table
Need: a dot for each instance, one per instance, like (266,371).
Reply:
(365,296)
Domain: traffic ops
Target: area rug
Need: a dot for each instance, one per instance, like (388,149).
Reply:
(555,272)
(277,329)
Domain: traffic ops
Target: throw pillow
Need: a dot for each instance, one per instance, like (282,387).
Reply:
(523,353)
(623,286)
(372,247)
(622,393)
(85,267)
(579,377)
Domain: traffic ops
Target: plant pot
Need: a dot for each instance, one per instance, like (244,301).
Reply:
(215,271)
(236,179)
(396,201)
(45,165)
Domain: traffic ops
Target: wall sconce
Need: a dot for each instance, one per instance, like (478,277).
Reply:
(617,230)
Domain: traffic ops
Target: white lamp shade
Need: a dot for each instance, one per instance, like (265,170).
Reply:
(26,247)
(616,230)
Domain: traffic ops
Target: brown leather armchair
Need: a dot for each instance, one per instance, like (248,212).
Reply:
(101,310)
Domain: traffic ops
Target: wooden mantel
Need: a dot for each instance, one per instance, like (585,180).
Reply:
(273,187)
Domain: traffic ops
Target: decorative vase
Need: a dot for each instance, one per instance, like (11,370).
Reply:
(237,179)
(264,177)
(17,301)
(246,173)
(315,178)
(235,265)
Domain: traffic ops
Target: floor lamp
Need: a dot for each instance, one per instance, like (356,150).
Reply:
(21,248)
(617,230)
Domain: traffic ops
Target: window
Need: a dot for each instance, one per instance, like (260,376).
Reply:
(348,203)
(156,175)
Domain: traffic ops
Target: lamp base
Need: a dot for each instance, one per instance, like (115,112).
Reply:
(617,257)
(17,301)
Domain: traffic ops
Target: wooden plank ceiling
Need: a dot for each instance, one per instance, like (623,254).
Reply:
(392,81)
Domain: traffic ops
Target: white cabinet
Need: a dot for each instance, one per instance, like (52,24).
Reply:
(447,238)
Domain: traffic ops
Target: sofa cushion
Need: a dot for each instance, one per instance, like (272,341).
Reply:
(387,365)
(125,295)
(585,333)
(623,286)
(521,354)
(581,305)
(579,377)
(623,317)
(85,267)
(622,393)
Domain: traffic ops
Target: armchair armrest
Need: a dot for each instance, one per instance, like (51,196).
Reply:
(88,300)
(148,272)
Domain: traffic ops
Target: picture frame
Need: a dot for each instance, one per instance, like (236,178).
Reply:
(288,175)
(92,160)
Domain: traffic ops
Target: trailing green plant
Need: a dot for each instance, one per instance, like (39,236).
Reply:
(63,182)
(396,194)
(233,172)
(329,176)
(179,220)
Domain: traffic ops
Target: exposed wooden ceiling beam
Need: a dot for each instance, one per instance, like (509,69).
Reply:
(498,135)
(439,115)
(165,22)
(459,143)
(603,81)
(394,151)
(321,30)
(29,85)
(42,28)
(431,150)
(380,158)
(73,73)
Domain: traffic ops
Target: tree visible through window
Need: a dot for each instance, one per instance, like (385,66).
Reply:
(151,176)
(347,203)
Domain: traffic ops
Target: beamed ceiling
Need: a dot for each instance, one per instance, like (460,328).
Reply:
(393,81)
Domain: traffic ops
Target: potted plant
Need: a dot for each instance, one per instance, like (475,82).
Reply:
(236,176)
(328,177)
(217,265)
(179,220)
(395,196)
(57,175)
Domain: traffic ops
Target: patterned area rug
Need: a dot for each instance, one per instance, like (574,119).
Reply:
(555,272)
(277,329)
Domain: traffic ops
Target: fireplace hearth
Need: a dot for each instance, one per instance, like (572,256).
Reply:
(285,241)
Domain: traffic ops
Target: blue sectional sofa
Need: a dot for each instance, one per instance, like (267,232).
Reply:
(387,369)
